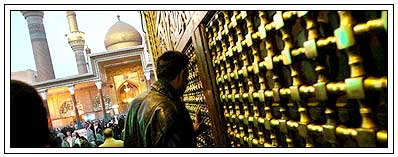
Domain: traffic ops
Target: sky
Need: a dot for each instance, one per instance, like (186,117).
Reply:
(94,24)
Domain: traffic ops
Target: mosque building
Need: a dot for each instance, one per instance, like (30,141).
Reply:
(109,79)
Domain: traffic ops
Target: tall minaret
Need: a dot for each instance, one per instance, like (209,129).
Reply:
(38,38)
(76,41)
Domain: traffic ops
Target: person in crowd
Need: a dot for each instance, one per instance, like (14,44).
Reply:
(75,139)
(119,128)
(109,140)
(75,125)
(84,143)
(117,131)
(69,138)
(89,133)
(159,118)
(64,143)
(97,127)
(54,142)
(102,123)
(99,139)
(27,106)
(67,129)
(94,134)
(57,142)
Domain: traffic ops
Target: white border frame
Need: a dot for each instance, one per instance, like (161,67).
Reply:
(391,132)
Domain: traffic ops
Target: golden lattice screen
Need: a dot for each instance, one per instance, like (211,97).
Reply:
(301,78)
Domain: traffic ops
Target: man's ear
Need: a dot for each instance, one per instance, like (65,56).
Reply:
(177,80)
(180,76)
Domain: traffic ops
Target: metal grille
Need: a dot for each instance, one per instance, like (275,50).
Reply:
(302,78)
(194,100)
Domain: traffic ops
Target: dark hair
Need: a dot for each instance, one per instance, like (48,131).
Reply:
(57,142)
(27,111)
(121,122)
(170,64)
(85,143)
(93,129)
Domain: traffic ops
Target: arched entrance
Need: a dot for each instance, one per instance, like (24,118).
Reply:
(126,93)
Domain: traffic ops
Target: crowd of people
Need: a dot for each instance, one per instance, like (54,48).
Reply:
(95,133)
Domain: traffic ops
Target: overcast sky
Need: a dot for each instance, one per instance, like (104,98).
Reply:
(94,24)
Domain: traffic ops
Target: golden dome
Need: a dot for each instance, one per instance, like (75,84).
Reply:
(122,35)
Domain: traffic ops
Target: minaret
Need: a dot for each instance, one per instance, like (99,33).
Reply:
(38,38)
(76,41)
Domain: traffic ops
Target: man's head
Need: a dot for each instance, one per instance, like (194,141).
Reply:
(108,133)
(82,140)
(86,125)
(75,134)
(61,135)
(27,111)
(172,67)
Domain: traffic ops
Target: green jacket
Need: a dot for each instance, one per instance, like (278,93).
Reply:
(158,118)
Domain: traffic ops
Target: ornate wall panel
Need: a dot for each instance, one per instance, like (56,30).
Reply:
(151,33)
(165,29)
(61,105)
(61,113)
(85,97)
(195,101)
(117,75)
(133,69)
(301,78)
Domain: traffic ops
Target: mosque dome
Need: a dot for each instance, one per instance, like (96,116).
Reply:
(121,35)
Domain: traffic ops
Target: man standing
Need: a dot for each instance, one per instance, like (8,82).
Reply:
(159,118)
(109,140)
(89,133)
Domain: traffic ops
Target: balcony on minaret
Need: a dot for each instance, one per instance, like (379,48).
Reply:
(76,41)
